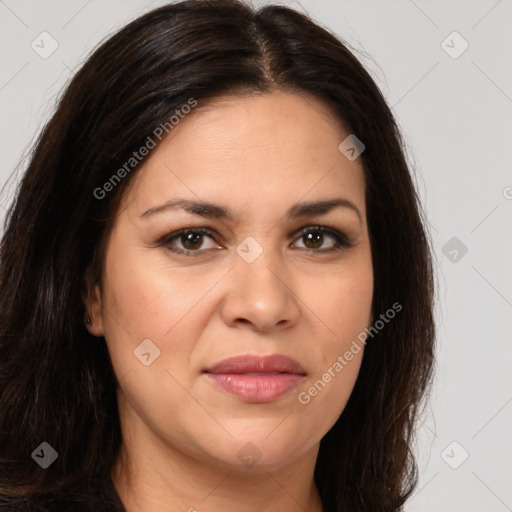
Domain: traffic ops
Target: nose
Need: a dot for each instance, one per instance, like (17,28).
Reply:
(260,295)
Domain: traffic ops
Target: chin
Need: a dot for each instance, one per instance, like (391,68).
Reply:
(258,453)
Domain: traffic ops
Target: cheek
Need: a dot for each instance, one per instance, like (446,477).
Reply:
(146,297)
(326,394)
(144,301)
(342,302)
(149,298)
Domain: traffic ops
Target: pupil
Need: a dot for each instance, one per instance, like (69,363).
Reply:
(315,239)
(192,240)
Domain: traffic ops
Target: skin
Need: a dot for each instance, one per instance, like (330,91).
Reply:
(258,156)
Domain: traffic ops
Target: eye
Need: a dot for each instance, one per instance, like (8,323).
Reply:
(314,238)
(193,241)
(188,241)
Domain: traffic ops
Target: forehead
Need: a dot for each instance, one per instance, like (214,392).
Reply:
(250,122)
(252,148)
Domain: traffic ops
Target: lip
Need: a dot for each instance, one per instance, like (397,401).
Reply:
(257,379)
(257,364)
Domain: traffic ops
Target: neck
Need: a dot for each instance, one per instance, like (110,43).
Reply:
(154,481)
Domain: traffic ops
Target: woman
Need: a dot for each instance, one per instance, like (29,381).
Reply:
(216,285)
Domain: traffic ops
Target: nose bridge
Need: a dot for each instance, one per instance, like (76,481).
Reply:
(262,256)
(259,294)
(258,266)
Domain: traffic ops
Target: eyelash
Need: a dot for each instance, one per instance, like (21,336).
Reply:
(341,240)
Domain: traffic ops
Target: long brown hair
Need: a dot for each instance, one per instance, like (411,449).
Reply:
(56,380)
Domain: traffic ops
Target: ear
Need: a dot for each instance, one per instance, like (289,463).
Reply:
(93,310)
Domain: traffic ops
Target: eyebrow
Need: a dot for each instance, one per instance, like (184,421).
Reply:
(215,211)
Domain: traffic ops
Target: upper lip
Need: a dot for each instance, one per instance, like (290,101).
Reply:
(275,363)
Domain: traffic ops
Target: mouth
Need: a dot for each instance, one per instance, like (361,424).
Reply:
(256,379)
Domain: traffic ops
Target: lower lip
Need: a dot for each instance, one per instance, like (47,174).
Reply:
(256,388)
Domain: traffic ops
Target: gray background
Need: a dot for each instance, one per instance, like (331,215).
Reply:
(456,115)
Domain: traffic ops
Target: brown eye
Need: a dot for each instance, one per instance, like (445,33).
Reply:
(315,239)
(190,241)
(194,242)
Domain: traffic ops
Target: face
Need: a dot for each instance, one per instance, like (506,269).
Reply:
(266,268)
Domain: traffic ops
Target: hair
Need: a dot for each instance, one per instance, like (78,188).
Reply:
(56,379)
